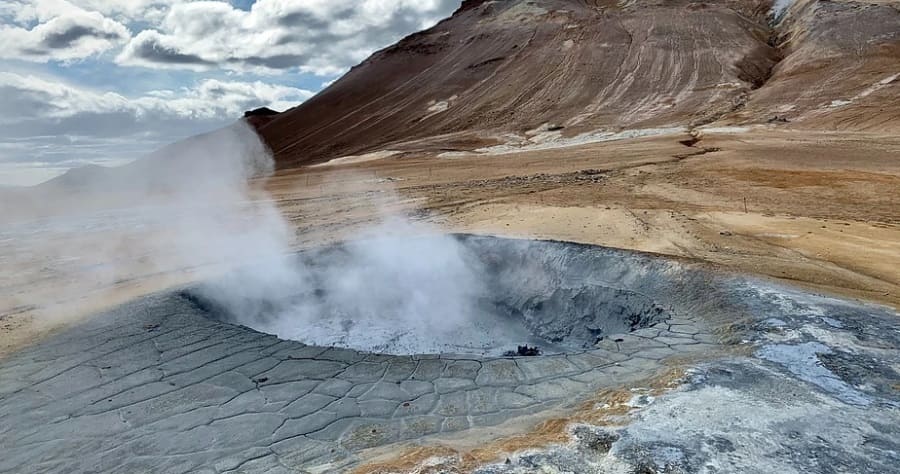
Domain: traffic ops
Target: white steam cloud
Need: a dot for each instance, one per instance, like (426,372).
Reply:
(401,288)
(192,212)
(98,236)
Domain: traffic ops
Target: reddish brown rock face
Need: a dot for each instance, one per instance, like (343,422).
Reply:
(514,66)
(840,68)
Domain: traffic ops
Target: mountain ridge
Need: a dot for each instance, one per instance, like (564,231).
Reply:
(496,68)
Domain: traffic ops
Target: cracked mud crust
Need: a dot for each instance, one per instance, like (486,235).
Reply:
(807,392)
(155,385)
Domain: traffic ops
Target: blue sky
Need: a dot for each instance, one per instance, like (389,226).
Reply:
(106,81)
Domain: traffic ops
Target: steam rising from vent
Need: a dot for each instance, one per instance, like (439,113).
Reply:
(383,293)
(192,212)
(380,293)
(97,236)
(201,198)
(456,294)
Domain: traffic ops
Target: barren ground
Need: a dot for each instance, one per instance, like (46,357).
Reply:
(818,209)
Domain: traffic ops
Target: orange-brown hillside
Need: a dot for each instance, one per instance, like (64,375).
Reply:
(498,67)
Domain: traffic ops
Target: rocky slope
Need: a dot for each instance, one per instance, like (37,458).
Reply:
(523,67)
(841,67)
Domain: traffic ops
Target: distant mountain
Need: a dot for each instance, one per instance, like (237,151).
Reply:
(224,156)
(499,67)
(261,116)
(84,177)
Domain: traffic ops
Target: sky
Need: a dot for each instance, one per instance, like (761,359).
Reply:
(103,82)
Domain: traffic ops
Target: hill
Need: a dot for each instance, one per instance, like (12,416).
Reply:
(530,68)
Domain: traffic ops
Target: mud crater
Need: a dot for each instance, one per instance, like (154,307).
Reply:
(554,296)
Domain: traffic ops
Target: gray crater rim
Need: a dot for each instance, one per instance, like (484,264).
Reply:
(558,297)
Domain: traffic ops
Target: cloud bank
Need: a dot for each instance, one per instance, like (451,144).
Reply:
(322,37)
(57,126)
(102,81)
(62,32)
(316,36)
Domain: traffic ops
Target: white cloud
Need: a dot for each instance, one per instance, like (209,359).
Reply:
(58,125)
(63,32)
(213,98)
(123,11)
(34,97)
(323,37)
(127,11)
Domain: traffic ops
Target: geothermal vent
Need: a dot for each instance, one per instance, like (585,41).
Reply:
(458,294)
